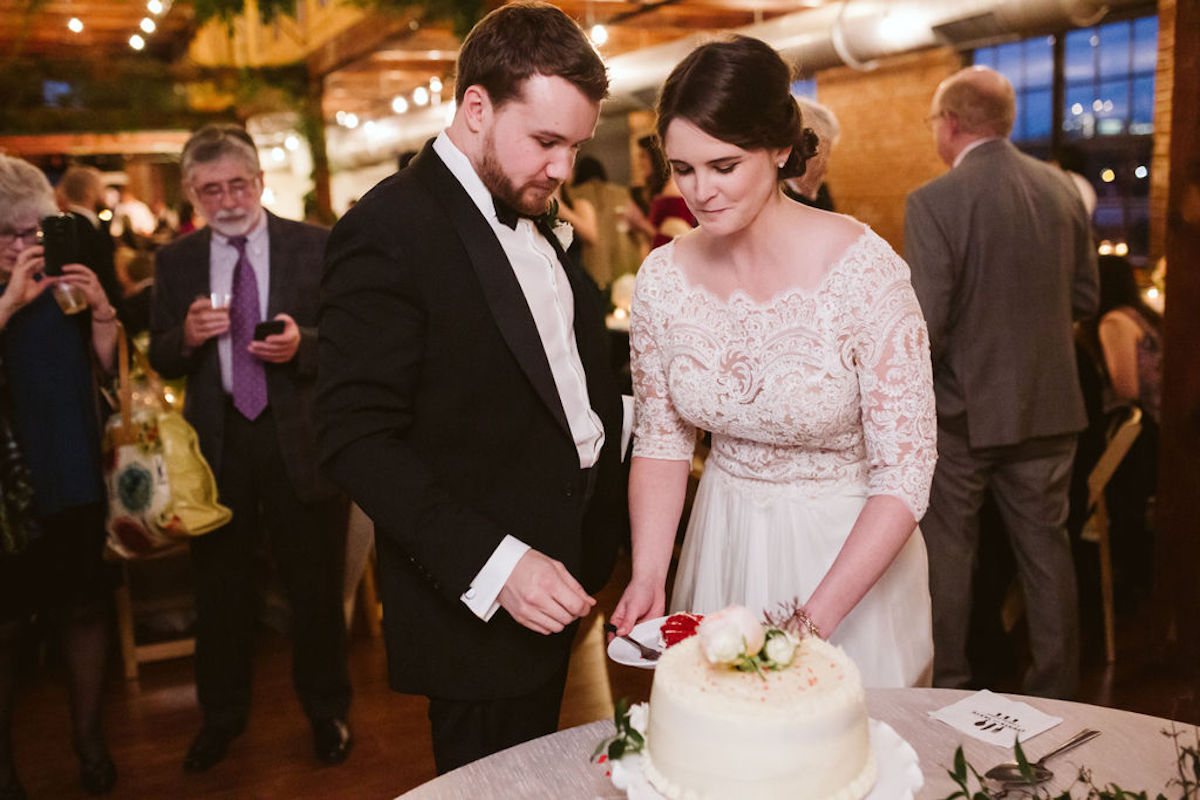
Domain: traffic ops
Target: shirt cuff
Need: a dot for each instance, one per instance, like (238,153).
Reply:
(485,588)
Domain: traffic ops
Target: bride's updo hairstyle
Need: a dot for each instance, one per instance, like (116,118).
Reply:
(738,90)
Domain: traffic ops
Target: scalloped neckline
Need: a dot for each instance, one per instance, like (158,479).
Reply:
(743,298)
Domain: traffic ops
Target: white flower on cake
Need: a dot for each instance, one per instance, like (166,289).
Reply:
(639,715)
(730,635)
(780,648)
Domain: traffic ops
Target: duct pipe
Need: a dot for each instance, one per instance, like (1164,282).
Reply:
(857,33)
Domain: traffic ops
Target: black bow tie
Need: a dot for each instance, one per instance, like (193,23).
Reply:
(507,215)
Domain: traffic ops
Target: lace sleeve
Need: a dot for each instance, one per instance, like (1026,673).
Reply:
(896,383)
(658,430)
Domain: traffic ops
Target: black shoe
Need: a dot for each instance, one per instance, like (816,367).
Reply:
(98,775)
(331,740)
(209,747)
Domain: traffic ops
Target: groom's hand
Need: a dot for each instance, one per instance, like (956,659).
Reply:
(541,595)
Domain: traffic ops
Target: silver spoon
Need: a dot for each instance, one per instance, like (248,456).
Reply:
(1010,773)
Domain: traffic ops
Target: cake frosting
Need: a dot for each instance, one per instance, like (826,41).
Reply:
(797,733)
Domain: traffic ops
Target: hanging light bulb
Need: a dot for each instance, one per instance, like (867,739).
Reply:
(137,42)
(435,84)
(147,25)
(154,6)
(399,104)
(599,34)
(75,25)
(420,95)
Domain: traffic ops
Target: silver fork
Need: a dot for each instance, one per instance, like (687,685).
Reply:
(648,653)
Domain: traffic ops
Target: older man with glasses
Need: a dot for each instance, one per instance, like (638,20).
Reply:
(235,310)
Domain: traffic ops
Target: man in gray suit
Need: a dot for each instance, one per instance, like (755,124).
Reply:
(1002,261)
(250,394)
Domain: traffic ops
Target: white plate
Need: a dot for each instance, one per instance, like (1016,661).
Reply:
(646,632)
(899,773)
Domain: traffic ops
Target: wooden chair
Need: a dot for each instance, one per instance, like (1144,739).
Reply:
(1096,527)
(132,653)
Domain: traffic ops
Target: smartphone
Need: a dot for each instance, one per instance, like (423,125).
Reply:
(61,243)
(269,328)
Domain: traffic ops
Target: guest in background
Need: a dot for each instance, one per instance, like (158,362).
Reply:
(810,188)
(54,501)
(668,215)
(187,219)
(80,193)
(580,214)
(1130,338)
(615,251)
(135,271)
(1002,262)
(250,398)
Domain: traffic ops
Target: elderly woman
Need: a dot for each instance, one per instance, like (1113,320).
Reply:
(810,188)
(53,492)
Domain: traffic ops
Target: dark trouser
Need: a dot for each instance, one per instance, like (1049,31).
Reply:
(1029,483)
(464,731)
(308,541)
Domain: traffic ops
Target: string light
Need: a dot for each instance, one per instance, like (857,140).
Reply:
(399,104)
(148,25)
(420,96)
(75,25)
(137,42)
(599,34)
(435,84)
(154,6)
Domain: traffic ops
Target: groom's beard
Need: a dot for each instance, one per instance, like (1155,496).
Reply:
(531,199)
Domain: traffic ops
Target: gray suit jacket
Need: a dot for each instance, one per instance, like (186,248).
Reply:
(181,275)
(1002,261)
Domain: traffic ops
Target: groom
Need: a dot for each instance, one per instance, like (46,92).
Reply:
(465,399)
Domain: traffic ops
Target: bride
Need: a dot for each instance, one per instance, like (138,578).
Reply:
(793,335)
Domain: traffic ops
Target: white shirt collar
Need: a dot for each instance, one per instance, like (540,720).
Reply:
(462,169)
(963,153)
(86,212)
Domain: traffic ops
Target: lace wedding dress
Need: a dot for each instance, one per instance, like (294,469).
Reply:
(815,400)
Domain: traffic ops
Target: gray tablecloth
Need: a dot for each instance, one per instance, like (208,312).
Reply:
(1132,752)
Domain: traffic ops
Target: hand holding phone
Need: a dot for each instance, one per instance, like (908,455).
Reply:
(60,242)
(270,327)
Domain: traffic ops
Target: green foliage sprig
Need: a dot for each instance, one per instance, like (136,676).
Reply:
(628,739)
(1187,779)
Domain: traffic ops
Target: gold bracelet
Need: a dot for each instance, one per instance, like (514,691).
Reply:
(807,625)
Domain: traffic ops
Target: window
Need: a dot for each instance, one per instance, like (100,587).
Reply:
(1104,123)
(1030,66)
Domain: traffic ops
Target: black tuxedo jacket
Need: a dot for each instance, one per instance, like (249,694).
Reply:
(181,276)
(438,414)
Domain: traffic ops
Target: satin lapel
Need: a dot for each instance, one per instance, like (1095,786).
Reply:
(503,293)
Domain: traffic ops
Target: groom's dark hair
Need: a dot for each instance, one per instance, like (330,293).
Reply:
(522,39)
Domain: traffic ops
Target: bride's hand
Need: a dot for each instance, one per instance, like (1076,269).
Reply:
(640,602)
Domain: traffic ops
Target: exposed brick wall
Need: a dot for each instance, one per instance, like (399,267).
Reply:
(1164,82)
(886,150)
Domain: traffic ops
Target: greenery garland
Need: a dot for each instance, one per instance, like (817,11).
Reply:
(1187,779)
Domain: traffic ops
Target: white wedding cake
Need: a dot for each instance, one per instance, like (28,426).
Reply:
(794,731)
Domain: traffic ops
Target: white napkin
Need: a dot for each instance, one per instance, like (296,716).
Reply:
(995,719)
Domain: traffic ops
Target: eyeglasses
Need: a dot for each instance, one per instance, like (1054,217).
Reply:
(238,189)
(29,236)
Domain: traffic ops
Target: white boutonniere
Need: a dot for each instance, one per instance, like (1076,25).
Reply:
(563,231)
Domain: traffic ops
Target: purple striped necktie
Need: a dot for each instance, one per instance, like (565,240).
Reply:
(249,376)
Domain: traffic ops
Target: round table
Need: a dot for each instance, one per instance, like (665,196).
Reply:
(1132,752)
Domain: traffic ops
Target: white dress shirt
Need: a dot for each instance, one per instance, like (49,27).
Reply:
(958,159)
(222,258)
(548,293)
